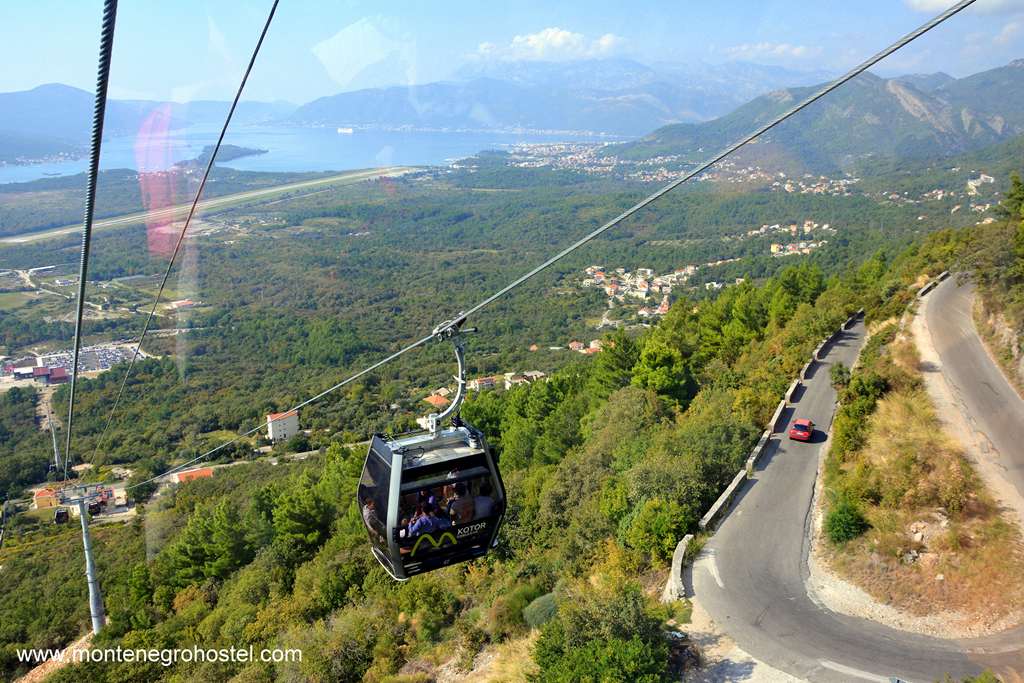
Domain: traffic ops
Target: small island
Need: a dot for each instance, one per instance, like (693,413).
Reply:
(226,153)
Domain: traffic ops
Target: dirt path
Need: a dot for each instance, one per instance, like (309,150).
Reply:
(44,408)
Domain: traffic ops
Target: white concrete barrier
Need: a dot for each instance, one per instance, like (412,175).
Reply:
(757,452)
(805,369)
(774,424)
(674,589)
(792,390)
(721,506)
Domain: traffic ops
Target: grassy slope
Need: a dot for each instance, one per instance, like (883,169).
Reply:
(920,495)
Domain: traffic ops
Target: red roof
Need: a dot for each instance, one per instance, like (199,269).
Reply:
(43,492)
(437,401)
(40,372)
(271,417)
(201,473)
(58,373)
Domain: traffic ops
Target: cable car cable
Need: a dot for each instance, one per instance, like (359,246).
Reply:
(184,230)
(447,327)
(98,115)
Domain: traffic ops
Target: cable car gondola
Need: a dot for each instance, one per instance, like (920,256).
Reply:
(61,516)
(435,498)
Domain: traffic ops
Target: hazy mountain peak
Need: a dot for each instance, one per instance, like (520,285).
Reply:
(899,118)
(926,82)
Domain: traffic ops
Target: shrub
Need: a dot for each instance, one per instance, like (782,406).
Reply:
(844,521)
(840,375)
(657,528)
(506,614)
(540,611)
(869,385)
(602,631)
(604,660)
(955,487)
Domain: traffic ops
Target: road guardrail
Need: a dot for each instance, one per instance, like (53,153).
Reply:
(721,506)
(674,589)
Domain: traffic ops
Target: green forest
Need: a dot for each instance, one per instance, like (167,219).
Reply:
(607,464)
(292,300)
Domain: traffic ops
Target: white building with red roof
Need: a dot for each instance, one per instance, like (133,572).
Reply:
(282,426)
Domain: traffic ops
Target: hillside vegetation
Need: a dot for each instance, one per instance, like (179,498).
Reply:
(999,273)
(607,465)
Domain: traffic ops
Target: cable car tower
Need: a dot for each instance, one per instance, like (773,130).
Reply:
(85,498)
(433,498)
(55,467)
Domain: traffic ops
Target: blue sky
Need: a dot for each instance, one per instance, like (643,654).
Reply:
(196,49)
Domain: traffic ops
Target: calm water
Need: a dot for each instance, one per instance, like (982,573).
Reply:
(289,149)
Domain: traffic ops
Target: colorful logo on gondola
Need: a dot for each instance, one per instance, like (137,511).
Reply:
(436,544)
(463,532)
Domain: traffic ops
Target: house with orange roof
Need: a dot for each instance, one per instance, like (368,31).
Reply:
(439,402)
(192,475)
(44,498)
(282,426)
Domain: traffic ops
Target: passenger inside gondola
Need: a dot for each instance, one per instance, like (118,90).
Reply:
(460,505)
(460,502)
(429,521)
(483,504)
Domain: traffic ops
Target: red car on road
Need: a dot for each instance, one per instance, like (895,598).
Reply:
(801,430)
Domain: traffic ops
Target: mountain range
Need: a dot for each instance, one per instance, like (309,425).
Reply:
(691,110)
(871,118)
(616,96)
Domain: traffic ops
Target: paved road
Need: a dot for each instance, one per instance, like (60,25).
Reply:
(995,408)
(751,576)
(181,210)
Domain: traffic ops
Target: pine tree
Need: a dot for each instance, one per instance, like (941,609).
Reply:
(301,520)
(1010,208)
(613,367)
(189,554)
(227,547)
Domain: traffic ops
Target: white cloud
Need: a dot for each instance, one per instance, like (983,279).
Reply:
(771,51)
(552,44)
(1009,32)
(983,6)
